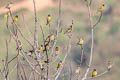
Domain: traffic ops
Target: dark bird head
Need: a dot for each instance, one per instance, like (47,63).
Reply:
(103,5)
(60,61)
(16,16)
(48,15)
(41,45)
(94,69)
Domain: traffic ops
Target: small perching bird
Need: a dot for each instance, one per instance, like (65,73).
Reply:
(80,42)
(48,19)
(77,71)
(69,30)
(43,63)
(110,64)
(7,14)
(47,48)
(101,9)
(8,6)
(47,40)
(57,50)
(15,19)
(40,49)
(94,73)
(59,65)
(52,37)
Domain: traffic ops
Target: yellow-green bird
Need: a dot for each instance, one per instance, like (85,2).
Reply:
(80,42)
(59,65)
(47,48)
(101,9)
(52,37)
(47,40)
(15,19)
(69,30)
(94,73)
(40,48)
(7,14)
(48,19)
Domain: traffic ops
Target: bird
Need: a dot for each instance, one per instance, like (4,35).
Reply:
(109,65)
(69,30)
(47,40)
(15,19)
(8,6)
(19,45)
(7,14)
(40,48)
(101,9)
(57,50)
(77,70)
(48,19)
(47,48)
(94,73)
(52,37)
(59,65)
(43,63)
(80,42)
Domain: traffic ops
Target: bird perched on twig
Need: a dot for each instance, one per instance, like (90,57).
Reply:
(80,42)
(109,65)
(101,9)
(52,37)
(47,48)
(48,19)
(7,14)
(47,40)
(59,65)
(40,48)
(57,50)
(8,6)
(44,63)
(94,73)
(15,19)
(69,30)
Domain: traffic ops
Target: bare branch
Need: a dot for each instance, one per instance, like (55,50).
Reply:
(58,27)
(67,52)
(92,42)
(36,28)
(98,20)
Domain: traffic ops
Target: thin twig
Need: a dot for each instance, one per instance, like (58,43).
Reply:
(36,28)
(68,51)
(58,27)
(92,42)
(43,35)
(98,20)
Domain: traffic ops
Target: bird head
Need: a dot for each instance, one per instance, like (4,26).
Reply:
(94,69)
(16,16)
(103,5)
(48,15)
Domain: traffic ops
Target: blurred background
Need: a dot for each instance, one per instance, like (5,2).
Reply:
(107,33)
